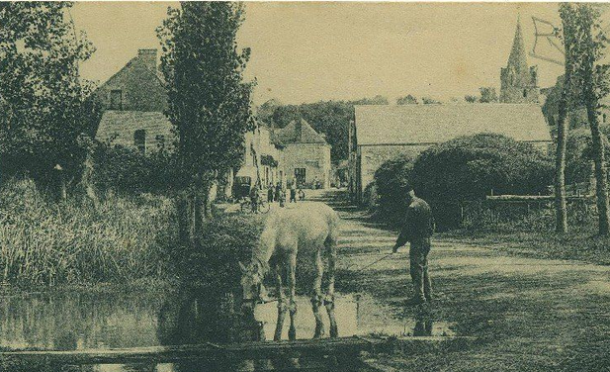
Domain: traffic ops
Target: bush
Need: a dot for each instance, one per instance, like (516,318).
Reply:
(483,217)
(214,261)
(127,171)
(578,159)
(470,167)
(392,180)
(370,197)
(118,240)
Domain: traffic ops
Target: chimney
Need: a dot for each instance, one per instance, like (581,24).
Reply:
(149,58)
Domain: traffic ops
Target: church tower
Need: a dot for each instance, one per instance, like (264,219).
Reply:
(518,82)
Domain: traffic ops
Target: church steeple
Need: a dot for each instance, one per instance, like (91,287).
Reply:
(518,58)
(519,82)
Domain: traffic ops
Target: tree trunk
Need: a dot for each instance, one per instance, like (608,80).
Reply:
(601,173)
(560,164)
(186,219)
(198,207)
(209,198)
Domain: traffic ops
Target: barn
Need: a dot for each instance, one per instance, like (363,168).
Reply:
(381,132)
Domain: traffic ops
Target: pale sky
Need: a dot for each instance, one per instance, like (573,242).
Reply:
(307,52)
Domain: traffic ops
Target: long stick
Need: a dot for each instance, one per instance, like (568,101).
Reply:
(373,263)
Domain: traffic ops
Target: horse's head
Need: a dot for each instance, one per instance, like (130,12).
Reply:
(251,282)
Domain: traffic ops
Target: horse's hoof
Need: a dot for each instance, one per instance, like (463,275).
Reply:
(334,333)
(292,334)
(319,332)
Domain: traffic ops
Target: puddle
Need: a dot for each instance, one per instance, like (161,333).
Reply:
(85,321)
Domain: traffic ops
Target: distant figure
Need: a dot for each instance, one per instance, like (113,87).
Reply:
(271,193)
(301,194)
(281,197)
(278,188)
(418,228)
(254,198)
(293,192)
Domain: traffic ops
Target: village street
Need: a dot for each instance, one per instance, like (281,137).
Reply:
(526,314)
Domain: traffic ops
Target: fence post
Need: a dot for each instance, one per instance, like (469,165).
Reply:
(461,214)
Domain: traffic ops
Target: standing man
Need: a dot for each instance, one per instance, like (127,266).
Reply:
(270,193)
(293,192)
(418,227)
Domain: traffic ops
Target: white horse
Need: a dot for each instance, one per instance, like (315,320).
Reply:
(309,228)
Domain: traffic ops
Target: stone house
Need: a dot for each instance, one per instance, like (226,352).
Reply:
(382,132)
(262,160)
(305,154)
(133,102)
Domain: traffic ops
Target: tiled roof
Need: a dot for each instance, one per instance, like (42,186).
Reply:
(297,131)
(426,124)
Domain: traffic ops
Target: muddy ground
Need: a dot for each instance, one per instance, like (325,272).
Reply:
(526,314)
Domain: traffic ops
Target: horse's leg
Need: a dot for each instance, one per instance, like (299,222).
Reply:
(281,304)
(317,298)
(329,301)
(292,268)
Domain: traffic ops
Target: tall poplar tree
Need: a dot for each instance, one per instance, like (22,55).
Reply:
(586,44)
(209,102)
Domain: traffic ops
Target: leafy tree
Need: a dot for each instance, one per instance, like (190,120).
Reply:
(430,101)
(330,118)
(393,179)
(470,99)
(377,100)
(209,103)
(407,100)
(488,95)
(585,44)
(45,105)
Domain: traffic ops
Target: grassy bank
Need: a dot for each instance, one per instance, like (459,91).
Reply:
(119,240)
(533,234)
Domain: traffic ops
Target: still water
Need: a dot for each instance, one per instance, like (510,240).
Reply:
(97,321)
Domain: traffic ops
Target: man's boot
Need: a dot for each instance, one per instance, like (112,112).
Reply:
(416,300)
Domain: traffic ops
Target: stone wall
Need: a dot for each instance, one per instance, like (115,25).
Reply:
(120,127)
(140,85)
(373,156)
(314,157)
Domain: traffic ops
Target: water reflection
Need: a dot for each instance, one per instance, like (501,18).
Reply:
(80,321)
(93,321)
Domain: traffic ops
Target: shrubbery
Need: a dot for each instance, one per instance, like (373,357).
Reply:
(126,170)
(469,168)
(75,242)
(464,169)
(213,262)
(392,180)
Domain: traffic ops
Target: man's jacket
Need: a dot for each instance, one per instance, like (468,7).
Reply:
(419,222)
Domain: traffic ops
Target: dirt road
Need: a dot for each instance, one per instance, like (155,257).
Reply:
(527,314)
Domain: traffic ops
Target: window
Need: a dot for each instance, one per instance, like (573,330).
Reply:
(300,175)
(116,99)
(160,139)
(139,140)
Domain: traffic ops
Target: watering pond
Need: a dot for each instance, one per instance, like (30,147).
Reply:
(59,331)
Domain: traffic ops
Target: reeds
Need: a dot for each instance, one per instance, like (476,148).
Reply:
(75,242)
